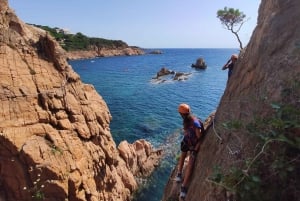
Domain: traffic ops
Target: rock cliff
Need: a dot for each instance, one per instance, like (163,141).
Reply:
(104,52)
(252,150)
(55,140)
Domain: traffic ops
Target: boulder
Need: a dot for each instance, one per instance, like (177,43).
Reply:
(156,52)
(179,76)
(140,157)
(164,75)
(200,64)
(164,71)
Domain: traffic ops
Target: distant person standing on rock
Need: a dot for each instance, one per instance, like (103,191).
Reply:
(230,64)
(193,130)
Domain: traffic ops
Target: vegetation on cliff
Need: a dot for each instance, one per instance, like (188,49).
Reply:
(275,164)
(80,41)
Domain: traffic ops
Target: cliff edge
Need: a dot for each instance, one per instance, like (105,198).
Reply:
(104,52)
(55,140)
(252,150)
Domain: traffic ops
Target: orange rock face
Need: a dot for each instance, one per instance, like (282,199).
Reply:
(55,140)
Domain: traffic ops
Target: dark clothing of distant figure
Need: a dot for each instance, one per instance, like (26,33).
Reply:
(230,64)
(230,68)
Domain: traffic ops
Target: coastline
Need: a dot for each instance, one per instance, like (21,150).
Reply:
(104,52)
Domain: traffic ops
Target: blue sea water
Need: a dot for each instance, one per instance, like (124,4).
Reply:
(142,108)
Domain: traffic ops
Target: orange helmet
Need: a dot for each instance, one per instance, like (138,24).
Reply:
(184,108)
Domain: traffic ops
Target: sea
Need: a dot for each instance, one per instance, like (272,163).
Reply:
(144,108)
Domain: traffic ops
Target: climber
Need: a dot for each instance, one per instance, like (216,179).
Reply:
(230,64)
(193,130)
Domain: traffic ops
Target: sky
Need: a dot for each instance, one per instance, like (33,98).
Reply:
(143,23)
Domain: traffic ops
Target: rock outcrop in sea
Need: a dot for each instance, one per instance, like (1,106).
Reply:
(55,140)
(165,75)
(200,64)
(251,152)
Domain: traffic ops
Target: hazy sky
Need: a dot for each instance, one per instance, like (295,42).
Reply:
(143,23)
